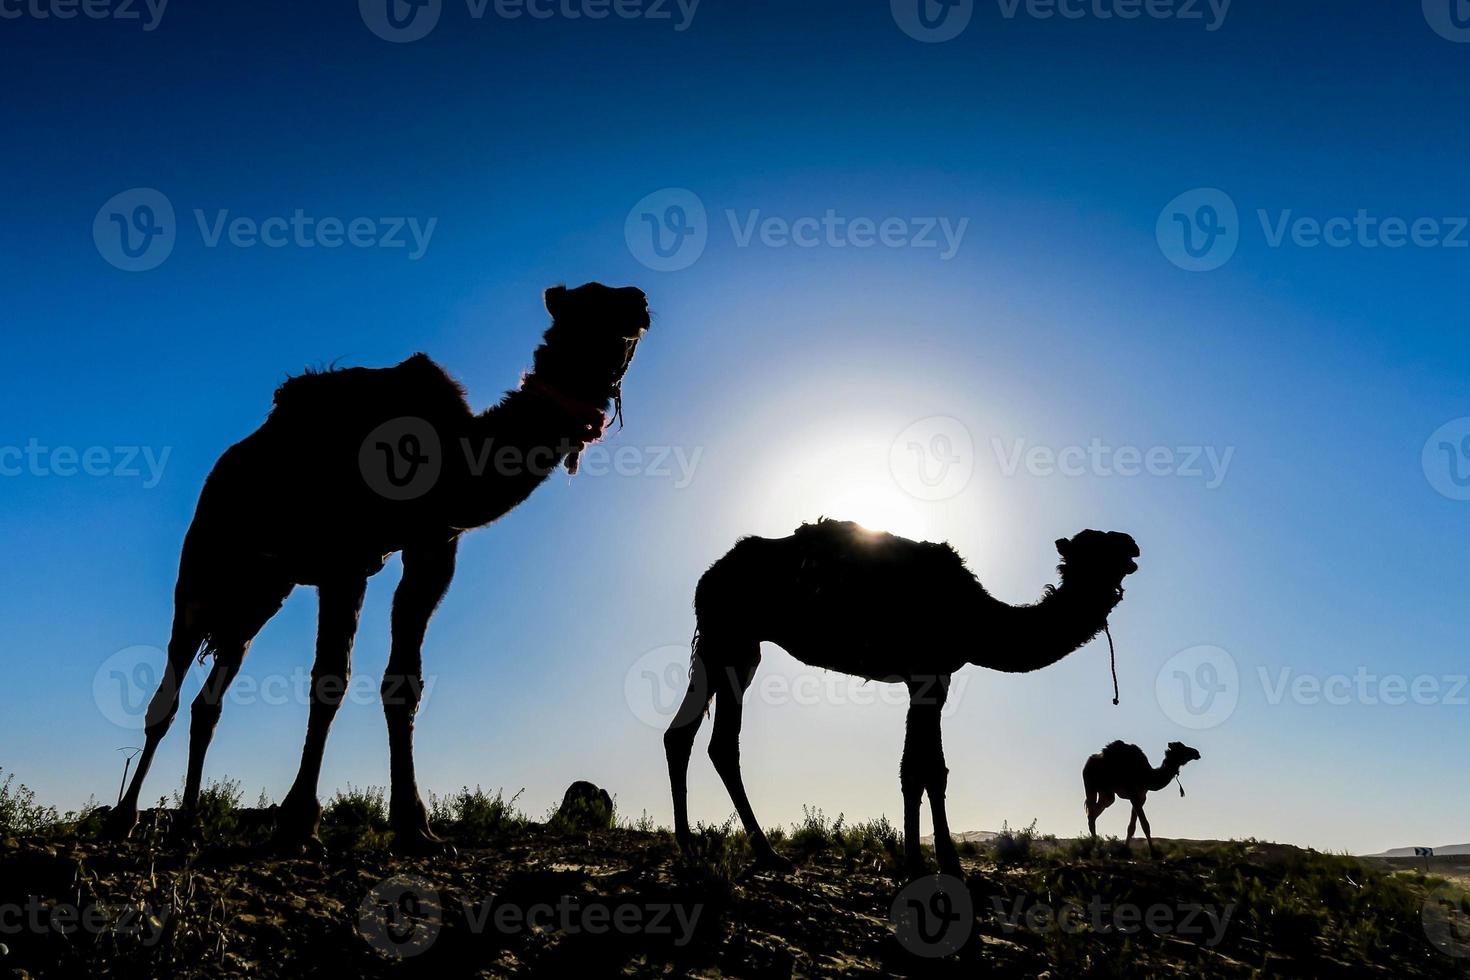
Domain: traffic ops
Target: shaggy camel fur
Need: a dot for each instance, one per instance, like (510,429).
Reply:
(350,467)
(839,596)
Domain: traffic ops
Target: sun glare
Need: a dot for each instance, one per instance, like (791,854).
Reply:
(880,508)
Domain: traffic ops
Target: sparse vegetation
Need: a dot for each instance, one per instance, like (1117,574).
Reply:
(219,808)
(1272,909)
(1014,847)
(356,819)
(20,814)
(476,818)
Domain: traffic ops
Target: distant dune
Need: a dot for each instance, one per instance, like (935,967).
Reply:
(968,836)
(1448,850)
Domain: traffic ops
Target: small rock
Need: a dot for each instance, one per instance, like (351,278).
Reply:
(585,807)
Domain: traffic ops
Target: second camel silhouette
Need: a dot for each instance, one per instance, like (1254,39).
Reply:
(839,596)
(1121,769)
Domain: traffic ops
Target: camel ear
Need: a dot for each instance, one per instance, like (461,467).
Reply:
(553,298)
(1062,545)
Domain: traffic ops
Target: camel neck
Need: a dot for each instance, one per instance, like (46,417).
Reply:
(1020,639)
(1163,775)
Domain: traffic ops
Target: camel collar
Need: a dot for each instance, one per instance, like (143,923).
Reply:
(590,419)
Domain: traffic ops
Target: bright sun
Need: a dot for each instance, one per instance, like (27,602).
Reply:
(880,508)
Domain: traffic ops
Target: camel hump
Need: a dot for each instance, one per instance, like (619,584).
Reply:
(1124,753)
(835,548)
(415,386)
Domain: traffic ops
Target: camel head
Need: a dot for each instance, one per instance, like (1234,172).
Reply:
(1099,559)
(594,331)
(1177,754)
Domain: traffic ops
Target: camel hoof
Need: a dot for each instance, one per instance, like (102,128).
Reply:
(186,832)
(773,862)
(421,842)
(119,823)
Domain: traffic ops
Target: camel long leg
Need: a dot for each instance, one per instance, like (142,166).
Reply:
(339,604)
(923,770)
(427,572)
(162,708)
(1104,799)
(204,717)
(730,682)
(1132,824)
(1143,822)
(679,745)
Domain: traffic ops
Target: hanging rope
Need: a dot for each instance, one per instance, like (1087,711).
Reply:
(1113,660)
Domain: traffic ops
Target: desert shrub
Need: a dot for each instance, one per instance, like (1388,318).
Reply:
(474,816)
(219,807)
(816,833)
(643,825)
(1086,846)
(356,818)
(1015,846)
(719,851)
(20,814)
(872,839)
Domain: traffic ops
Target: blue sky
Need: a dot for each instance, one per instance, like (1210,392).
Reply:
(782,380)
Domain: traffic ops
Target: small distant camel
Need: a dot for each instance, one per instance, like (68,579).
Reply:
(351,466)
(839,596)
(1121,769)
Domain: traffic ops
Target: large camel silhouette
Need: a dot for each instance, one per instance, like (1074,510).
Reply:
(838,596)
(350,467)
